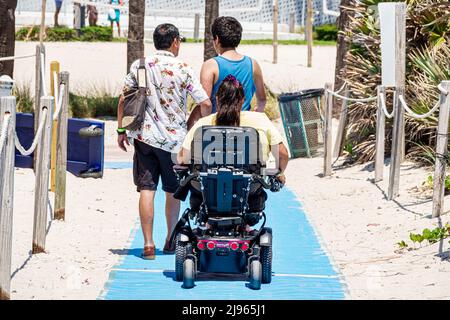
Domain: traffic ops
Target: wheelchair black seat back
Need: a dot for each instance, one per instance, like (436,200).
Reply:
(225,158)
(231,147)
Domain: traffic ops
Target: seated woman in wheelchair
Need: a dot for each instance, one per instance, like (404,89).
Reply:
(230,98)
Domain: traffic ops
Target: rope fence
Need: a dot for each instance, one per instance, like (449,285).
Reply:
(51,112)
(415,115)
(36,139)
(384,108)
(351,99)
(59,99)
(400,105)
(17,57)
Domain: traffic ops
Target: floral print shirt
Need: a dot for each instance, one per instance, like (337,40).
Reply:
(169,81)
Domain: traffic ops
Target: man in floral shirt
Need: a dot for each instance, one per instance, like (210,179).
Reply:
(161,135)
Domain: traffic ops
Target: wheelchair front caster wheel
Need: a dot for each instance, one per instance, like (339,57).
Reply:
(188,274)
(255,275)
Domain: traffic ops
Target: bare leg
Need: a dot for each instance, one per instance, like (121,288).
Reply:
(118,29)
(172,212)
(112,27)
(146,213)
(56,17)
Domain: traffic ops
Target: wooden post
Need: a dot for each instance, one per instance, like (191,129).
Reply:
(42,177)
(309,31)
(7,104)
(42,28)
(61,151)
(441,152)
(54,67)
(292,22)
(340,138)
(197,27)
(275,31)
(380,135)
(328,133)
(398,135)
(394,168)
(38,90)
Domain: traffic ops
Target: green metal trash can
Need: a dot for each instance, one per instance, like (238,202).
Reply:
(302,121)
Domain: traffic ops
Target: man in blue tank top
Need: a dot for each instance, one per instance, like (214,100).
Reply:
(227,34)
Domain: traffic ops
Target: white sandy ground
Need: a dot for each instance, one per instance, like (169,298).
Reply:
(357,226)
(103,65)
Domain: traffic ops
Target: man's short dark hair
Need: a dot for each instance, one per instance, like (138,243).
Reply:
(164,35)
(228,30)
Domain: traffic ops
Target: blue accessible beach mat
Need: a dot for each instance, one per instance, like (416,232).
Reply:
(301,268)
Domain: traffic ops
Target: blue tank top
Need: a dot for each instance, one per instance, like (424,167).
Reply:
(242,70)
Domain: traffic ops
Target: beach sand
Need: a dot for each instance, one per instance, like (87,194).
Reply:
(358,227)
(101,65)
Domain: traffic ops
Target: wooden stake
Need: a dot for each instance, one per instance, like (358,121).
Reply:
(398,135)
(441,152)
(380,135)
(42,29)
(38,90)
(61,151)
(292,22)
(54,67)
(42,177)
(309,31)
(340,138)
(7,105)
(328,133)
(275,31)
(394,168)
(197,27)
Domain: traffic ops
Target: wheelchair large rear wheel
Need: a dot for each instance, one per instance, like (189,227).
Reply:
(266,261)
(180,257)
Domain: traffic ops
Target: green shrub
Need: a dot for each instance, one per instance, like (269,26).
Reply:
(60,34)
(98,103)
(24,98)
(96,34)
(28,33)
(327,32)
(79,107)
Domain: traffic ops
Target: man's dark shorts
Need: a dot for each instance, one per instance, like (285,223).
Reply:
(149,164)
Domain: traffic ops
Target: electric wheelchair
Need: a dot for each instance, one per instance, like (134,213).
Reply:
(226,178)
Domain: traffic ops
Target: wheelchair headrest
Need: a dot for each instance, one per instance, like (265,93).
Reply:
(224,146)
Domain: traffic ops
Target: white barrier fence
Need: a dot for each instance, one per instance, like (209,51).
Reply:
(45,115)
(398,139)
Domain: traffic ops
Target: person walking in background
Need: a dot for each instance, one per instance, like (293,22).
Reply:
(114,15)
(92,15)
(227,34)
(162,133)
(58,5)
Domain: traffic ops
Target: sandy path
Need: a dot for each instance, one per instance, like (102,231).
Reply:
(100,215)
(103,65)
(360,229)
(358,226)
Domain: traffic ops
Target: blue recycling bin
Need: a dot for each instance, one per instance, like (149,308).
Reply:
(85,145)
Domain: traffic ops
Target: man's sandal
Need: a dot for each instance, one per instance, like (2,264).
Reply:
(148,253)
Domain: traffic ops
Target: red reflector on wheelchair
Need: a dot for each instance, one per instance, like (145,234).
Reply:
(234,246)
(201,245)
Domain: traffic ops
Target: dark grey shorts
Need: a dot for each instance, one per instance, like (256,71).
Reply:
(149,163)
